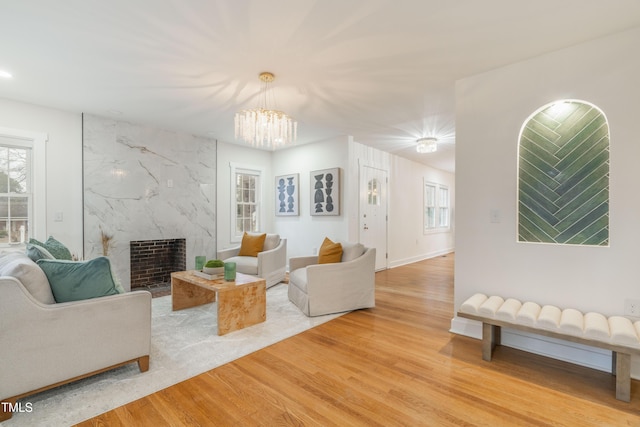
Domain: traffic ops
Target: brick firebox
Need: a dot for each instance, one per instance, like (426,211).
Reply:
(153,261)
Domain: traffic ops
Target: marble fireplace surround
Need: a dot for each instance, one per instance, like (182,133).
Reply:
(143,183)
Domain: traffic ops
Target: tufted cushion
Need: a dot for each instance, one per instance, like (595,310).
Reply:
(79,280)
(252,244)
(509,310)
(21,267)
(329,252)
(490,306)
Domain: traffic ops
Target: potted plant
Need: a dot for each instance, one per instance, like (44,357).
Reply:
(213,266)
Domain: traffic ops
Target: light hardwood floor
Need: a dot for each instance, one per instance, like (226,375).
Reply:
(393,365)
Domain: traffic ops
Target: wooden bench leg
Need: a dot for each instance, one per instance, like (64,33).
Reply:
(622,365)
(491,336)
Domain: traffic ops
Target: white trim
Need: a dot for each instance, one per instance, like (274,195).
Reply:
(36,141)
(411,260)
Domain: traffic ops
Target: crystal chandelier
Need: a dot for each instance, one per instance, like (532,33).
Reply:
(427,145)
(263,127)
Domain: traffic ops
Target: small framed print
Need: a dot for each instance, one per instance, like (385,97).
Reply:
(325,192)
(287,195)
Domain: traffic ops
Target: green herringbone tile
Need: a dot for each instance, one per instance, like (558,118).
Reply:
(563,176)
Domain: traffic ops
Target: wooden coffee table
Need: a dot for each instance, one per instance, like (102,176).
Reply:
(240,304)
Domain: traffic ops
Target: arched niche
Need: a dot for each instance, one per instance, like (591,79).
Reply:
(563,175)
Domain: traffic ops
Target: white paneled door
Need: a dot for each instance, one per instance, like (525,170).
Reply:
(373,212)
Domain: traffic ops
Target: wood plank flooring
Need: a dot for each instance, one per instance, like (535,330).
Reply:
(393,365)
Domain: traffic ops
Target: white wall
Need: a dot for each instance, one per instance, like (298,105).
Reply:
(305,233)
(407,241)
(491,109)
(64,165)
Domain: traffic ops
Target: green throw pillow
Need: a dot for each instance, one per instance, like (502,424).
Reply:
(55,248)
(36,252)
(79,280)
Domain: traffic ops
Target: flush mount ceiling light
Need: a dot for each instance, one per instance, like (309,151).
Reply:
(264,127)
(427,145)
(5,74)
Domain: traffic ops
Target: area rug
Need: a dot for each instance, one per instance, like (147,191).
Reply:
(183,344)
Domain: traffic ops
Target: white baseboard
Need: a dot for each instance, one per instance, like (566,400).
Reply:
(405,261)
(591,357)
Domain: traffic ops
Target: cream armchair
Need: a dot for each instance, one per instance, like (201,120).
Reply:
(319,289)
(270,264)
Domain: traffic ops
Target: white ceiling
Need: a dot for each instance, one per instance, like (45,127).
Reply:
(380,70)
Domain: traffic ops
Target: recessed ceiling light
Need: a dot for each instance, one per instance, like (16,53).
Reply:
(5,74)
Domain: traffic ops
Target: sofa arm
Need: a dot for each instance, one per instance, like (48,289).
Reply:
(44,344)
(272,264)
(228,253)
(273,259)
(302,262)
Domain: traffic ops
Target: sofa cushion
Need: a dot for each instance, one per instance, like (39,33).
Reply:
(271,242)
(21,267)
(79,280)
(330,252)
(36,252)
(351,251)
(245,264)
(252,244)
(55,248)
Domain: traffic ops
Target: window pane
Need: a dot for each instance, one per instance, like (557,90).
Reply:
(18,231)
(4,233)
(18,170)
(19,207)
(4,207)
(431,215)
(444,217)
(430,195)
(444,197)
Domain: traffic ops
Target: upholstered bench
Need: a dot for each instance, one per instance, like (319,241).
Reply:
(615,333)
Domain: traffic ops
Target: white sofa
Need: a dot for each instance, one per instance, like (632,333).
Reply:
(44,344)
(319,289)
(270,264)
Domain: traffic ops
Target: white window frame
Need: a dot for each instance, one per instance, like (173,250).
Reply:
(35,141)
(236,168)
(436,207)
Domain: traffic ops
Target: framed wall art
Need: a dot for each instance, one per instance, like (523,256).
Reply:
(325,192)
(287,195)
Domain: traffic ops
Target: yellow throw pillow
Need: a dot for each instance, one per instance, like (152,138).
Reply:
(252,244)
(329,252)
